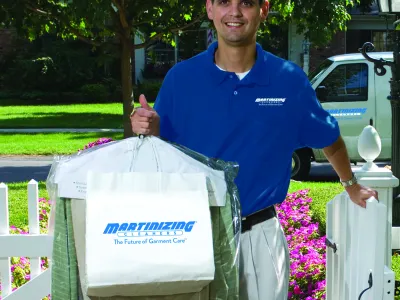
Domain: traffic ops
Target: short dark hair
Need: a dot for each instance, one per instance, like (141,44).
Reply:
(259,1)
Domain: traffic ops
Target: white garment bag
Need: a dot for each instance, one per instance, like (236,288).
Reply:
(142,223)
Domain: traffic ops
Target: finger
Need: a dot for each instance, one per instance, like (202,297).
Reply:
(142,112)
(138,118)
(143,102)
(143,131)
(362,203)
(371,193)
(141,125)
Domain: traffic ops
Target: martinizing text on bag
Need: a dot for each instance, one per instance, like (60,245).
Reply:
(151,230)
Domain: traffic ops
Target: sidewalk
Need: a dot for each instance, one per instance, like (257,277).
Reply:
(44,130)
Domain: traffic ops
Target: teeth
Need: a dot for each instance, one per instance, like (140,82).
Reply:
(234,24)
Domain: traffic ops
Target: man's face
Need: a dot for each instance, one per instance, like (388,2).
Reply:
(236,21)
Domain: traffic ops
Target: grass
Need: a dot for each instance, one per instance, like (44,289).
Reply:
(104,115)
(49,143)
(18,202)
(108,115)
(396,270)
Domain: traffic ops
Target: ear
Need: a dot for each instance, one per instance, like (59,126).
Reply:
(264,10)
(209,7)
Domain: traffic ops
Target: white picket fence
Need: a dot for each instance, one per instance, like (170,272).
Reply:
(359,241)
(33,245)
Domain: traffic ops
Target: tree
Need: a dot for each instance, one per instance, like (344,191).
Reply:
(318,20)
(114,23)
(107,24)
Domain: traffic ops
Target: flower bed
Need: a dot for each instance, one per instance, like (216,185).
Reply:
(306,247)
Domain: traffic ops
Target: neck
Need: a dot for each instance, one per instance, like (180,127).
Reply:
(235,59)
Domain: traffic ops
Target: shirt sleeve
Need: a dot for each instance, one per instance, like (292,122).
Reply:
(318,129)
(164,106)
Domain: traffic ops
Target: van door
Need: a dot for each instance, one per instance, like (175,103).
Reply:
(349,96)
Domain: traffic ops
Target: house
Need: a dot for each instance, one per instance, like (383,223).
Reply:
(363,27)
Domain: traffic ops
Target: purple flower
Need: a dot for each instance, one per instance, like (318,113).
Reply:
(306,246)
(100,141)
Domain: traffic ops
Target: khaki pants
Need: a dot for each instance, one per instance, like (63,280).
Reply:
(264,262)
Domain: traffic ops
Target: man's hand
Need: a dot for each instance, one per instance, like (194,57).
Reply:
(145,120)
(359,194)
(338,157)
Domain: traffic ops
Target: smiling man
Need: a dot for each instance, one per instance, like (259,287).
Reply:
(239,103)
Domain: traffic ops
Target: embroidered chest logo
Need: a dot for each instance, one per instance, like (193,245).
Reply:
(270,101)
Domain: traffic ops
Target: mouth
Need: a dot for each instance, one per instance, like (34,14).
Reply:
(234,24)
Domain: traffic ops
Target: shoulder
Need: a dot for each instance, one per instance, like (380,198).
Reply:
(283,67)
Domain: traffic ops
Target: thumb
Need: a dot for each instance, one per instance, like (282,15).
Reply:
(143,102)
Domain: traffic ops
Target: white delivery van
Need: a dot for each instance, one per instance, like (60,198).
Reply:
(348,88)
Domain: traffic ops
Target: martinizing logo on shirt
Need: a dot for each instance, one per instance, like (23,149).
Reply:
(152,230)
(270,101)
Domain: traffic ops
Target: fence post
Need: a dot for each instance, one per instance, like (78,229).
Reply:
(380,179)
(5,267)
(33,219)
(359,242)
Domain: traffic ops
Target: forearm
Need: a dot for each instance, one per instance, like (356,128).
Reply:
(339,159)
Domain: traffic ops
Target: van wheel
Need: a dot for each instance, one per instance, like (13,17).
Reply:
(301,164)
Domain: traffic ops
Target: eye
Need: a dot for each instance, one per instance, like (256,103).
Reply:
(247,3)
(223,2)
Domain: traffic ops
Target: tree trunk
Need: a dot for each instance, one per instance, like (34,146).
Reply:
(126,84)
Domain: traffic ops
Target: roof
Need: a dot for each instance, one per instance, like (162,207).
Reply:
(358,56)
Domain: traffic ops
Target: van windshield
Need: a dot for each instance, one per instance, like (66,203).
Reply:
(313,76)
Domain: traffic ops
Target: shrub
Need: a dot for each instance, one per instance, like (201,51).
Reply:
(9,94)
(396,270)
(149,89)
(96,92)
(49,64)
(40,97)
(156,70)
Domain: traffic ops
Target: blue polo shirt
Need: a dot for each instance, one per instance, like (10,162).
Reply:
(257,122)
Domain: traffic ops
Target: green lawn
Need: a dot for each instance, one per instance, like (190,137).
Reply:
(18,202)
(62,116)
(49,143)
(107,115)
(56,116)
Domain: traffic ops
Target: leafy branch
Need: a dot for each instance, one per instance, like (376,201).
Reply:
(159,35)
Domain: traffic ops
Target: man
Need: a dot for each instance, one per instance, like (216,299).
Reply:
(239,103)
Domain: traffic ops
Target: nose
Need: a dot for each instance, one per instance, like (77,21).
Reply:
(235,10)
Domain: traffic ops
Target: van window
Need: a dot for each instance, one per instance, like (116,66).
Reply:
(347,83)
(314,75)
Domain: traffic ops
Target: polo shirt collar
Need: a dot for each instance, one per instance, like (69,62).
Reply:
(259,73)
